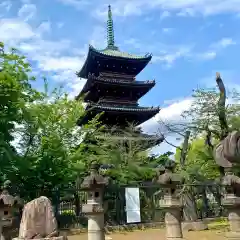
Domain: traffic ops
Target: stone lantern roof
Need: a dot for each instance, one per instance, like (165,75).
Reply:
(6,199)
(169,177)
(94,180)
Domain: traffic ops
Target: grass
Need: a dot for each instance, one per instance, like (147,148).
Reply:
(221,223)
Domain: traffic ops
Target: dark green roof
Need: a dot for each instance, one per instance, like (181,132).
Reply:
(111,53)
(117,53)
(144,137)
(92,80)
(123,108)
(134,83)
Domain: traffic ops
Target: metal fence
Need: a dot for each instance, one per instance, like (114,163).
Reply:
(200,201)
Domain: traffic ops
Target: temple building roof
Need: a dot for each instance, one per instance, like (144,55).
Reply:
(120,115)
(97,88)
(145,140)
(117,53)
(123,108)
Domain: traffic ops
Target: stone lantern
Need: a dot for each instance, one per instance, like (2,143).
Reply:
(8,205)
(171,202)
(227,156)
(94,184)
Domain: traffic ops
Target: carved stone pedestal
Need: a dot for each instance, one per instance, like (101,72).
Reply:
(232,204)
(94,209)
(194,226)
(95,221)
(52,238)
(172,207)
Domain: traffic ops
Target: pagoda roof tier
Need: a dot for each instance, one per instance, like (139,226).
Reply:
(138,88)
(146,141)
(112,58)
(118,115)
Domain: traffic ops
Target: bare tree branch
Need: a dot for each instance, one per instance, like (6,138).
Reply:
(172,144)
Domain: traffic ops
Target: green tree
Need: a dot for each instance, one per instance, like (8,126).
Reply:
(16,93)
(199,165)
(127,152)
(51,151)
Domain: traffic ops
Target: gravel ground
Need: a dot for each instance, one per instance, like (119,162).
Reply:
(158,234)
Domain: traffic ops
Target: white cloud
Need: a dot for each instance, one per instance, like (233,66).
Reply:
(60,63)
(76,87)
(40,46)
(214,49)
(165,147)
(79,4)
(70,80)
(223,43)
(98,37)
(174,111)
(54,58)
(44,27)
(169,57)
(170,113)
(5,6)
(125,8)
(133,42)
(165,14)
(209,55)
(13,30)
(167,30)
(60,25)
(27,11)
(187,12)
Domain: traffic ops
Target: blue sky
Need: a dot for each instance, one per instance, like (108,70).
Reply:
(190,40)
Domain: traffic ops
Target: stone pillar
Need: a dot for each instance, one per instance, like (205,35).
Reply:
(173,211)
(227,156)
(94,209)
(232,204)
(171,203)
(95,213)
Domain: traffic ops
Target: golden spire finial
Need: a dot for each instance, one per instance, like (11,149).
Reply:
(218,75)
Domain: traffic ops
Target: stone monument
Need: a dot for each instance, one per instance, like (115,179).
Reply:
(171,202)
(94,184)
(227,155)
(38,221)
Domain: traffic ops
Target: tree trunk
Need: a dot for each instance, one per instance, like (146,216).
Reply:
(189,203)
(184,148)
(190,207)
(222,107)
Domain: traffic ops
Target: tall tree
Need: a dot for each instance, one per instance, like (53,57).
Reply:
(16,93)
(50,143)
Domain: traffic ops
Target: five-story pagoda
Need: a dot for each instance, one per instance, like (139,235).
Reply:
(112,87)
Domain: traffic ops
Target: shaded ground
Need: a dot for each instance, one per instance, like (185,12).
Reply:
(156,233)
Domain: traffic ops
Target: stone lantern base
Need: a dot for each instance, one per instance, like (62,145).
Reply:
(233,235)
(172,208)
(232,204)
(194,226)
(51,238)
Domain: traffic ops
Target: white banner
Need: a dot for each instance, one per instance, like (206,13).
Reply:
(132,205)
